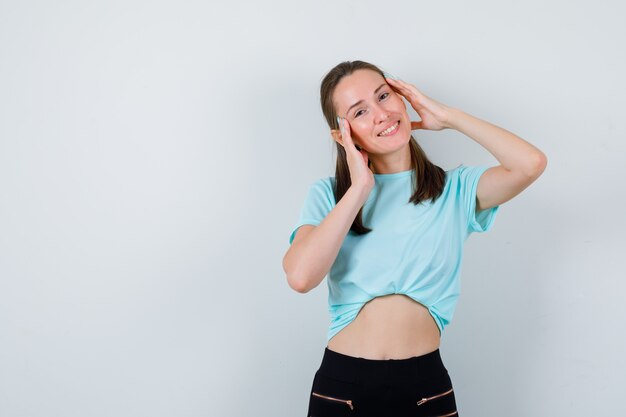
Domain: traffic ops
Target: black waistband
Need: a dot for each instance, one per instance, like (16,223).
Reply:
(362,370)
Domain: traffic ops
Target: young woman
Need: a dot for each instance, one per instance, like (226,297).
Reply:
(389,230)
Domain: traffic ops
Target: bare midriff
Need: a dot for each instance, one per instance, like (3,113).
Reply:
(392,326)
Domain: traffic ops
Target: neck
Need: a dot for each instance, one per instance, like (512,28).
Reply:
(400,160)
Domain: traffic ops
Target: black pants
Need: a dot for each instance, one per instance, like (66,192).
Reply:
(352,386)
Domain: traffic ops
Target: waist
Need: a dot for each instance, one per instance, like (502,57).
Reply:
(393,326)
(428,366)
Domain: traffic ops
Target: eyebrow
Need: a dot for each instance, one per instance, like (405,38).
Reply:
(361,101)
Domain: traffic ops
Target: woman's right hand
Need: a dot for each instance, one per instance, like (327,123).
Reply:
(360,174)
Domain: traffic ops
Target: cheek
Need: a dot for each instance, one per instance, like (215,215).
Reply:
(362,128)
(397,100)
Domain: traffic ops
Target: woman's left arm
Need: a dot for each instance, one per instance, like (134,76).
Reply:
(520,162)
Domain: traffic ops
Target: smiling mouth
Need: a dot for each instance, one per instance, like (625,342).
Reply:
(387,132)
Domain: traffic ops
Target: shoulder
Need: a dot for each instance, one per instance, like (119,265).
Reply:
(456,171)
(324,185)
(322,189)
(453,175)
(464,173)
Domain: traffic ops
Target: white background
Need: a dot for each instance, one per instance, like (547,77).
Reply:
(154,156)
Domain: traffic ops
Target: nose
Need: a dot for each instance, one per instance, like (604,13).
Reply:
(381,113)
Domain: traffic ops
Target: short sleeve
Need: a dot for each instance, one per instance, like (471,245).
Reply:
(468,184)
(319,201)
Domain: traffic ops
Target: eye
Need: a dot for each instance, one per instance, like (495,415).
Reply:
(385,95)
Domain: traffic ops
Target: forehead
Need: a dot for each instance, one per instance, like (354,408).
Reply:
(359,85)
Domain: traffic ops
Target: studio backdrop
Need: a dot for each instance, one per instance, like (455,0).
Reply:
(154,156)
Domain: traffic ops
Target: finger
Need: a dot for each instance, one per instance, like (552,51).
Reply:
(407,88)
(394,82)
(347,137)
(402,87)
(342,130)
(390,77)
(395,87)
(398,88)
(345,133)
(340,124)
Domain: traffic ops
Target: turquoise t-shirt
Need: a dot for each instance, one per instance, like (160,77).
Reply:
(414,250)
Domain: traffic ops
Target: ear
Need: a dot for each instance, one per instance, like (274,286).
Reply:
(336,135)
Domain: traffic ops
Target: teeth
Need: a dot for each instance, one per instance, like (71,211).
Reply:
(387,131)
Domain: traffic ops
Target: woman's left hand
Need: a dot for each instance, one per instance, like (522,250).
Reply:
(434,115)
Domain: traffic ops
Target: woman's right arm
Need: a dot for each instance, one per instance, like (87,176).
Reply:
(315,248)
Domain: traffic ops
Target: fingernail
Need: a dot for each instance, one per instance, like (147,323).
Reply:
(387,75)
(340,124)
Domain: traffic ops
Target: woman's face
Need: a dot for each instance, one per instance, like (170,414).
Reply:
(371,106)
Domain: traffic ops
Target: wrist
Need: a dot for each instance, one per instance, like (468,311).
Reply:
(453,117)
(360,191)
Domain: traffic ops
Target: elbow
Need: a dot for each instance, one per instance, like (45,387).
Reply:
(296,284)
(542,162)
(538,164)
